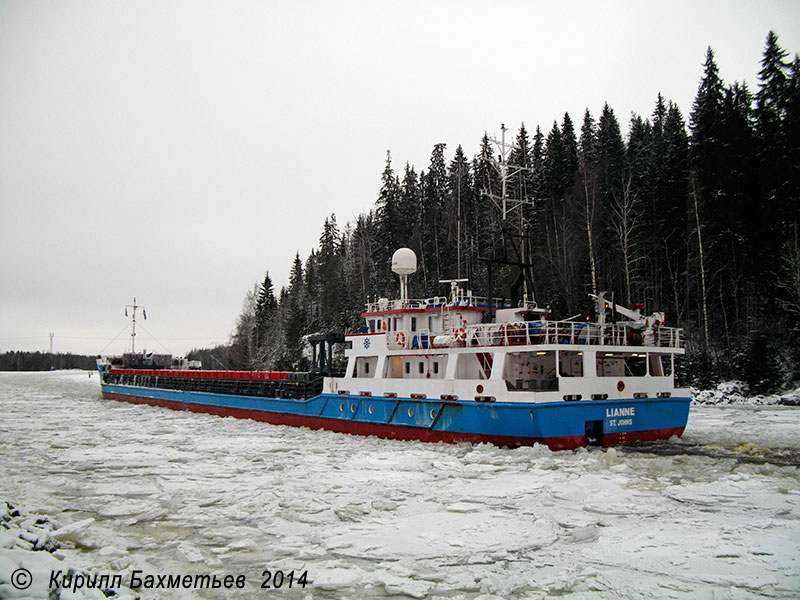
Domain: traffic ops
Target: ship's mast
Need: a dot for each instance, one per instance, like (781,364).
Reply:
(134,306)
(507,206)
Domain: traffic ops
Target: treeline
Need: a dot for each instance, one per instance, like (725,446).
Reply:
(44,361)
(698,219)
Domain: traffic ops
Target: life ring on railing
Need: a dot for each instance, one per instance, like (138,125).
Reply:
(400,338)
(503,331)
(516,335)
(460,334)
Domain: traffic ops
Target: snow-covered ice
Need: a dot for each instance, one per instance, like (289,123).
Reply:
(715,514)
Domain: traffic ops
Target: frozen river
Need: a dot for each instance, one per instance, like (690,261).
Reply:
(714,515)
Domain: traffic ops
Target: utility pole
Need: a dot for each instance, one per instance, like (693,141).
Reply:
(51,342)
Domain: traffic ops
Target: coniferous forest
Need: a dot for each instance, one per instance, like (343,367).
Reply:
(694,215)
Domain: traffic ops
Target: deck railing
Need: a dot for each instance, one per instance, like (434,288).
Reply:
(538,333)
(569,332)
(442,302)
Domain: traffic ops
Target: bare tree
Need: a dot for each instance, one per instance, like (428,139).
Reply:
(588,206)
(628,211)
(789,276)
(703,297)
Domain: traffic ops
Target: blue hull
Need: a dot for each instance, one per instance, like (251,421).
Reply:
(559,425)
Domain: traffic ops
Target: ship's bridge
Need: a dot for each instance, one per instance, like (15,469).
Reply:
(422,319)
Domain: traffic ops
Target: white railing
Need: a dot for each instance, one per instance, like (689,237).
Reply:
(384,304)
(569,332)
(535,333)
(397,304)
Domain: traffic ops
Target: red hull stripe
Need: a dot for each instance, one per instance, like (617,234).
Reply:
(394,432)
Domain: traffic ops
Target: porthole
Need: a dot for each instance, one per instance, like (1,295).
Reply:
(341,407)
(433,414)
(410,411)
(371,409)
(352,408)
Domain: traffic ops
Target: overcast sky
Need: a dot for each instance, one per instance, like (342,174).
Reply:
(176,150)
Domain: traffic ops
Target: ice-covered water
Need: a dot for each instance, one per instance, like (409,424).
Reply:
(177,492)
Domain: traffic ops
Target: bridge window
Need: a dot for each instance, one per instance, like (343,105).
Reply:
(621,364)
(531,371)
(570,363)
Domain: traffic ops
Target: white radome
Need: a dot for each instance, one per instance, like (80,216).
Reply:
(404,261)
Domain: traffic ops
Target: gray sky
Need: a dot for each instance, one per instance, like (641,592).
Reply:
(176,150)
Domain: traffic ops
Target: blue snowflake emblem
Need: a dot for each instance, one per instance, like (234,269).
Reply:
(366,342)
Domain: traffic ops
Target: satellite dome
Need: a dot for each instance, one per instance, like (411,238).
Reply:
(404,261)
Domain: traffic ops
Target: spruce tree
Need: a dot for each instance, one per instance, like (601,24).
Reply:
(460,183)
(434,201)
(791,128)
(388,216)
(770,111)
(520,160)
(294,319)
(570,143)
(326,291)
(410,224)
(671,169)
(264,310)
(772,94)
(485,215)
(587,190)
(708,159)
(610,161)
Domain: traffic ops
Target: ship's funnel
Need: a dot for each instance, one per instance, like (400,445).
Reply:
(404,263)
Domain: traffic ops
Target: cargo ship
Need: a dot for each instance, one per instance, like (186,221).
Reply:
(440,369)
(452,368)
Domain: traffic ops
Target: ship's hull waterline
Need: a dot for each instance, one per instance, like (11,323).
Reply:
(559,425)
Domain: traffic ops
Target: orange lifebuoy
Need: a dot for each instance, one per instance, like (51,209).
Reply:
(400,338)
(503,330)
(460,334)
(513,334)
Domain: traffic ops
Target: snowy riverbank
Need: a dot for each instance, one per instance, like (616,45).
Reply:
(738,392)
